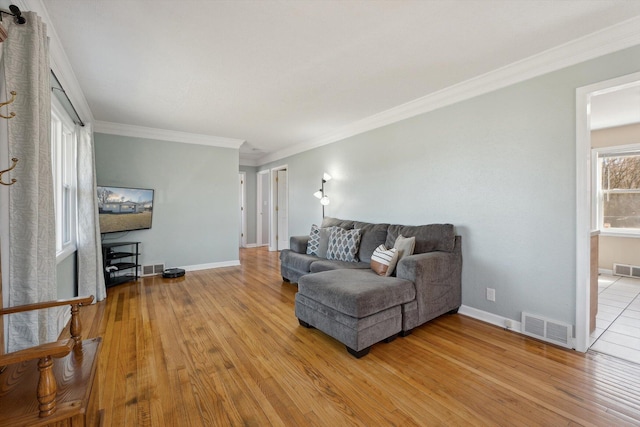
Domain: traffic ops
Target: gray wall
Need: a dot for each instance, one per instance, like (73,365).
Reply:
(195,217)
(250,188)
(500,167)
(66,277)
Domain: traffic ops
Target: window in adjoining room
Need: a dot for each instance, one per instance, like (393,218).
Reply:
(618,190)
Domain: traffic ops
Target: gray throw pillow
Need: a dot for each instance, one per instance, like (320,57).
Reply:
(314,240)
(325,234)
(343,244)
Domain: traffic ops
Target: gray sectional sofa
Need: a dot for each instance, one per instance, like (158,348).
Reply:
(356,306)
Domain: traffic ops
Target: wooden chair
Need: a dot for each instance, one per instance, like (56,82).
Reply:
(36,390)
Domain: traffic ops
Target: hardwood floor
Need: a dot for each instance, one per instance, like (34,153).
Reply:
(223,347)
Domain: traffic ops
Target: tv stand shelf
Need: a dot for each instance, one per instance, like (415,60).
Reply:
(120,266)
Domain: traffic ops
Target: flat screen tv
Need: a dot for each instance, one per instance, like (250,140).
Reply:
(124,209)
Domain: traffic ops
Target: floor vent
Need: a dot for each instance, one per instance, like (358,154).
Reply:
(152,269)
(547,329)
(626,270)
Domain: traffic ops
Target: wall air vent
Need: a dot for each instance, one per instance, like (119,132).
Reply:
(626,270)
(547,330)
(152,269)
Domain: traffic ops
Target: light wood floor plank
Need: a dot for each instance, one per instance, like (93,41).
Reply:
(223,347)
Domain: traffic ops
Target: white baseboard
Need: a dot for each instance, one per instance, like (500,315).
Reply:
(491,318)
(251,245)
(196,267)
(605,271)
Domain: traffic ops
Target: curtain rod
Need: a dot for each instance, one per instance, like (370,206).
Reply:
(61,89)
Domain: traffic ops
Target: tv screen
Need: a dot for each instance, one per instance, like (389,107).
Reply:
(124,209)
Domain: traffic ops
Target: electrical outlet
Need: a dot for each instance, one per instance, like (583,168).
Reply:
(491,294)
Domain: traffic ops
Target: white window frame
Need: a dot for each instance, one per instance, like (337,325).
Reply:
(597,215)
(64,143)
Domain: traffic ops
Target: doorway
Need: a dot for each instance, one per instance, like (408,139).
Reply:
(584,196)
(279,212)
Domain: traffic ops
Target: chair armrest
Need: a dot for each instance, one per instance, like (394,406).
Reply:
(47,304)
(299,244)
(52,349)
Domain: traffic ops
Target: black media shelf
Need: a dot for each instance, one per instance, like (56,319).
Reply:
(117,255)
(120,266)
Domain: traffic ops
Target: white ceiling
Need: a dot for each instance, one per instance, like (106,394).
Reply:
(281,73)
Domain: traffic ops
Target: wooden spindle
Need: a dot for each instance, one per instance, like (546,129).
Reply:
(47,387)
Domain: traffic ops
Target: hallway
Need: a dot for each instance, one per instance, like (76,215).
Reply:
(618,321)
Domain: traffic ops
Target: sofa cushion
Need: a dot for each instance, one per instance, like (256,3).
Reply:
(335,222)
(371,236)
(429,238)
(383,260)
(357,293)
(343,244)
(326,265)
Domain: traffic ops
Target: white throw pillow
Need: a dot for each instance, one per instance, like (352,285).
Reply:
(405,246)
(383,260)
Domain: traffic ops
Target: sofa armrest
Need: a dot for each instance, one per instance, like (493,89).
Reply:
(298,244)
(438,280)
(430,267)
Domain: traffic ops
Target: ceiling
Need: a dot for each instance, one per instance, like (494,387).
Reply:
(277,74)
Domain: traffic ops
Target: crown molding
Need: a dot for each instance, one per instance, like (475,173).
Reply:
(248,162)
(59,61)
(608,40)
(166,135)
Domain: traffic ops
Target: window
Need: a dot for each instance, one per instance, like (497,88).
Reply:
(618,190)
(63,157)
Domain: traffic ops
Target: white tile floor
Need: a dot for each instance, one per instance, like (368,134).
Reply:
(618,321)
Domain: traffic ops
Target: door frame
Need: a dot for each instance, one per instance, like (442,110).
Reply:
(273,217)
(584,190)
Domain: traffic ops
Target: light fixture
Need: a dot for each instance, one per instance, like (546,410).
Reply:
(320,194)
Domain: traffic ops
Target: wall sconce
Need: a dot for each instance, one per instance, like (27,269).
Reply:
(320,194)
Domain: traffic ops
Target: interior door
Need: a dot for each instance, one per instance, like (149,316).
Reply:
(282,210)
(243,213)
(263,209)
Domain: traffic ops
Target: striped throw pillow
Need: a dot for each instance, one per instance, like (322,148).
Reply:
(383,260)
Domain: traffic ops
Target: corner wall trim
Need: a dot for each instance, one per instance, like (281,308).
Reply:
(166,135)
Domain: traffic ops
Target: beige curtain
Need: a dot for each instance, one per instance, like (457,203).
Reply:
(32,262)
(90,276)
